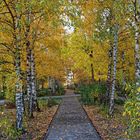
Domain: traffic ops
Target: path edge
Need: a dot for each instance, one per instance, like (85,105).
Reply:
(48,129)
(91,122)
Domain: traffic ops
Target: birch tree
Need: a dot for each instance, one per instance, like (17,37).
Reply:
(15,25)
(137,42)
(19,94)
(29,53)
(115,49)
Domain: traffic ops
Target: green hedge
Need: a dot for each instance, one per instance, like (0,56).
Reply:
(90,94)
(46,92)
(43,92)
(2,95)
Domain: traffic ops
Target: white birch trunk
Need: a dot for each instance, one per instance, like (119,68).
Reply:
(137,57)
(115,49)
(18,86)
(33,82)
(109,76)
(19,95)
(123,64)
(29,62)
(29,82)
(137,46)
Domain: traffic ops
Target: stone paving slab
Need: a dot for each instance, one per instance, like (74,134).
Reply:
(71,122)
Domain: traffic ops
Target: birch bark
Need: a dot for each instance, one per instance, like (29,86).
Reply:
(109,76)
(29,52)
(115,49)
(18,86)
(33,82)
(137,46)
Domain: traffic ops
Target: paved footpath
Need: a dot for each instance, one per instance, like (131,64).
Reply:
(71,122)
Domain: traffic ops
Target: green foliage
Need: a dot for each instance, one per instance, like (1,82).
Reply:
(46,92)
(10,95)
(132,111)
(10,90)
(2,95)
(7,129)
(48,103)
(52,102)
(43,92)
(90,94)
(42,103)
(119,101)
(123,90)
(104,110)
(60,90)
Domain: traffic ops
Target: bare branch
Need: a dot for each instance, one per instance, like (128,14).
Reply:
(11,13)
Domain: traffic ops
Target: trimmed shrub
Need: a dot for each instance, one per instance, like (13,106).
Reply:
(91,94)
(43,92)
(52,102)
(2,95)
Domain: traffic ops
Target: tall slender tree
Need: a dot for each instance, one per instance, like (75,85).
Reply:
(19,93)
(137,42)
(115,49)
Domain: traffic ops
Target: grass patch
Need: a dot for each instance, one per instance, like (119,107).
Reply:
(49,102)
(52,102)
(7,124)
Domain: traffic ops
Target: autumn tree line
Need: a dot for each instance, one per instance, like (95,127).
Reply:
(98,40)
(105,47)
(30,42)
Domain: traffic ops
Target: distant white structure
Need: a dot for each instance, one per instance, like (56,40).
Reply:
(69,78)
